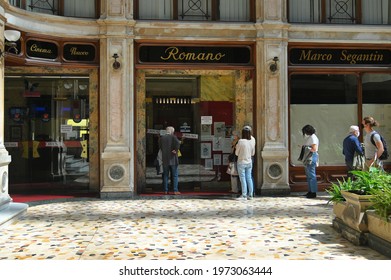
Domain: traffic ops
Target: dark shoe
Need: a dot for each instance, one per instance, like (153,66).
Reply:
(306,194)
(311,195)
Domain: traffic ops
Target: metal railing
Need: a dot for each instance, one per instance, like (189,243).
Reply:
(340,11)
(67,8)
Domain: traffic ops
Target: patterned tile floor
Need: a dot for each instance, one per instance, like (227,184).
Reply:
(268,228)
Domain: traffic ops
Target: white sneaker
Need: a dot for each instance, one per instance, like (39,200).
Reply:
(241,198)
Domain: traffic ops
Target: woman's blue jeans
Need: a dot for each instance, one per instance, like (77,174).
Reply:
(310,172)
(246,180)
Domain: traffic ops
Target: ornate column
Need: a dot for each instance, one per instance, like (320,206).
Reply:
(5,158)
(8,210)
(272,98)
(116,98)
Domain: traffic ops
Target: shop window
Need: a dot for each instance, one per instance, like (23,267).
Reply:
(376,95)
(327,102)
(204,107)
(47,131)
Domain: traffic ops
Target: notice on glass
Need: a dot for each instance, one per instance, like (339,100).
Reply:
(206,120)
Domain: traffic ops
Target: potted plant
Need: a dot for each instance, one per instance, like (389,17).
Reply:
(379,218)
(351,198)
(335,191)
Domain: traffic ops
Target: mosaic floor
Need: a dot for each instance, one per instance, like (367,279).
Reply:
(269,228)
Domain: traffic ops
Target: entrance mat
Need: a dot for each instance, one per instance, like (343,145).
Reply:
(25,198)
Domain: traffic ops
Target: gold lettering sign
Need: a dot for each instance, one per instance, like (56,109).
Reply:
(340,56)
(175,54)
(79,52)
(361,57)
(41,49)
(35,48)
(75,51)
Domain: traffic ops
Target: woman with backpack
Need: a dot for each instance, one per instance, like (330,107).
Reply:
(373,144)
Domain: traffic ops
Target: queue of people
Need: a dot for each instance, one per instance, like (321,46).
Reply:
(372,150)
(241,159)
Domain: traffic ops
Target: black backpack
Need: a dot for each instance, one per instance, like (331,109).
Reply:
(385,154)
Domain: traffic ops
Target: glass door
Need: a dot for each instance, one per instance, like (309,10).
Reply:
(201,108)
(47,132)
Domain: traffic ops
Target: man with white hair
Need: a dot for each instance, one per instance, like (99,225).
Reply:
(169,145)
(351,147)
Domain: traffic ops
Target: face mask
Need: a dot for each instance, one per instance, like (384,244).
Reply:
(357,133)
(232,138)
(306,136)
(362,126)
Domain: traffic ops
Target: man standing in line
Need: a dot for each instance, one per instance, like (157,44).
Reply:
(352,146)
(169,145)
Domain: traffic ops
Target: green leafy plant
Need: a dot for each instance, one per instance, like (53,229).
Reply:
(335,190)
(381,199)
(364,183)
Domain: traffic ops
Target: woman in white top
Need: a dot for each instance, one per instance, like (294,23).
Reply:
(312,141)
(245,149)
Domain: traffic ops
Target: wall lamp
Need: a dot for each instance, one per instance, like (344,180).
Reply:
(273,66)
(11,36)
(116,64)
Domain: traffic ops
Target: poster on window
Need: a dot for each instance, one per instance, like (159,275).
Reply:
(217,159)
(209,164)
(219,129)
(206,129)
(206,150)
(217,144)
(227,145)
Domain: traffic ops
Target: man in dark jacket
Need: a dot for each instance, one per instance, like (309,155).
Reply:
(352,146)
(169,145)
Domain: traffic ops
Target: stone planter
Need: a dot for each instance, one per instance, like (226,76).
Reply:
(338,209)
(354,213)
(379,237)
(350,217)
(378,226)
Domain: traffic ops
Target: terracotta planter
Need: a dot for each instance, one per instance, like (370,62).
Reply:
(378,226)
(354,213)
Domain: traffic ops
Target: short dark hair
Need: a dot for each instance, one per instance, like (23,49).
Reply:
(246,133)
(308,129)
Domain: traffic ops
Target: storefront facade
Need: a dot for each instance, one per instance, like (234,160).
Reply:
(333,87)
(104,115)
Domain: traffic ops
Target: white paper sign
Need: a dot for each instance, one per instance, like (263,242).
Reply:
(190,135)
(66,128)
(153,131)
(206,119)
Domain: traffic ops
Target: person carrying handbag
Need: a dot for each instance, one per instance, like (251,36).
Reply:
(232,165)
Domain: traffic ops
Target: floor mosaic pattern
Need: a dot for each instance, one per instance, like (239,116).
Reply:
(288,228)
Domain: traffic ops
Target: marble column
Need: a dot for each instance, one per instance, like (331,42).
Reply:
(273,98)
(8,209)
(116,90)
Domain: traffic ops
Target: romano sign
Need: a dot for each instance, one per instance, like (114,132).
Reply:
(351,57)
(192,54)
